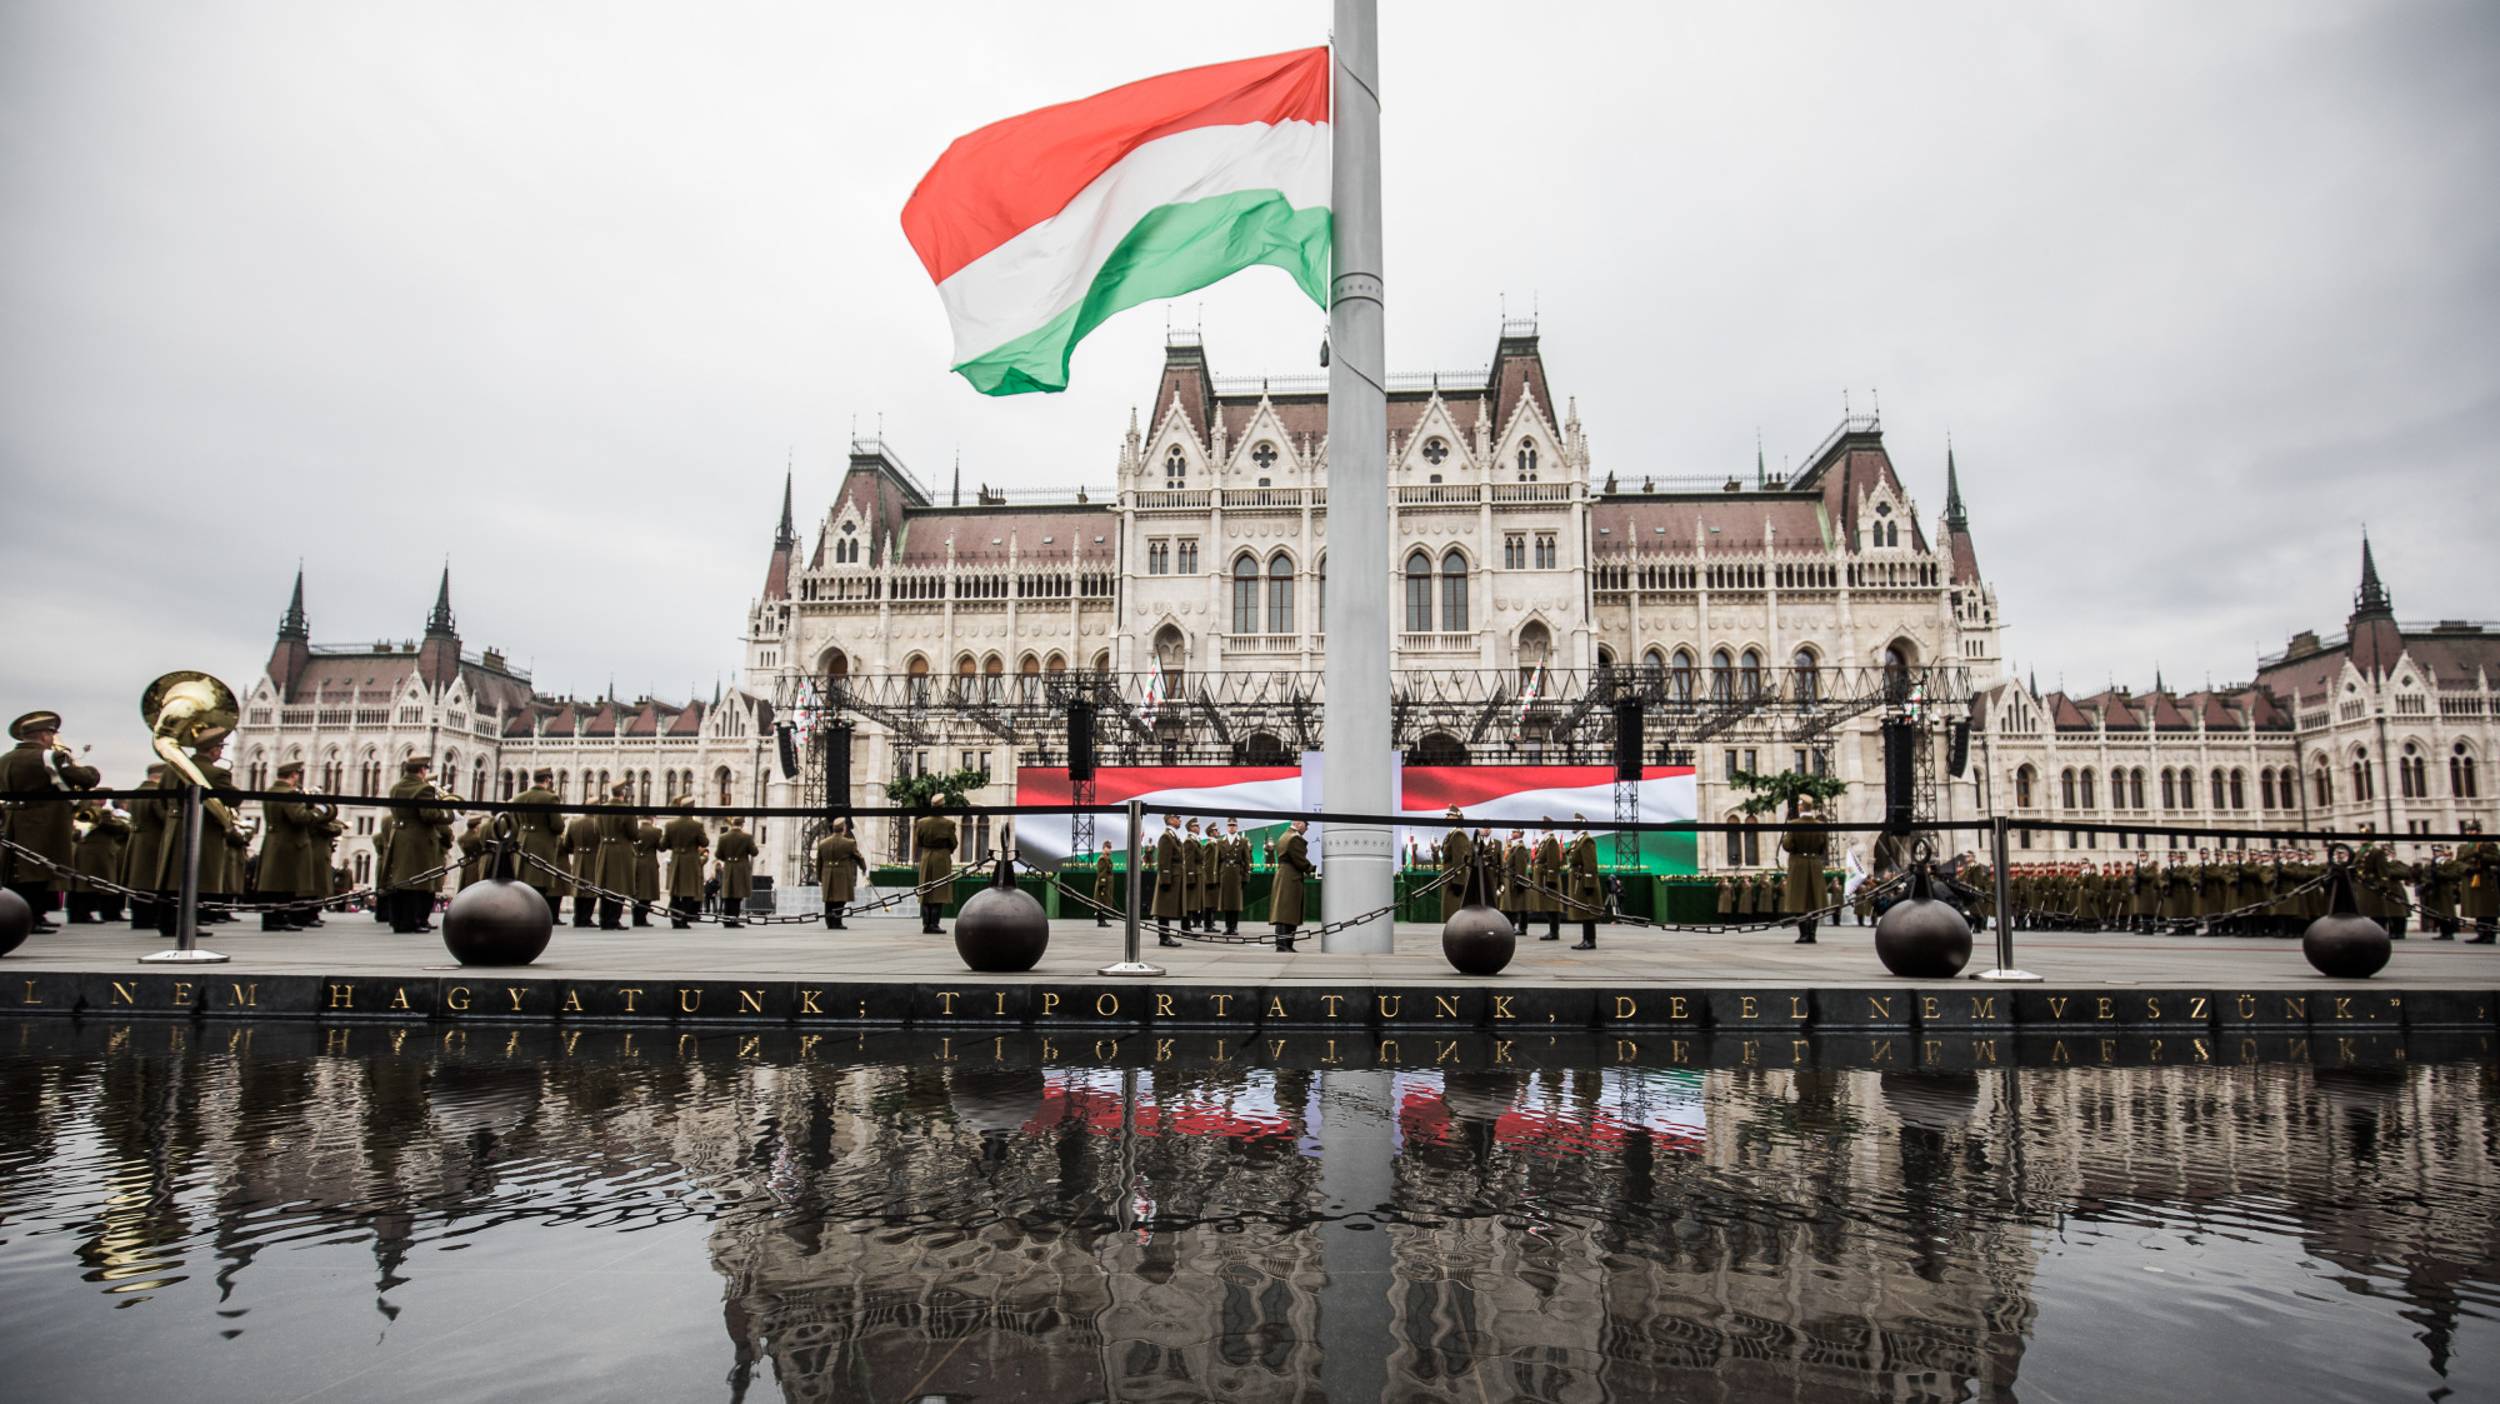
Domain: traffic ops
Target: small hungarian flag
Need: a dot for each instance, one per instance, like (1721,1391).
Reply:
(1037,229)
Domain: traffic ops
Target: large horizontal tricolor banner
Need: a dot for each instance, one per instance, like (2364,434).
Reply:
(1502,797)
(1039,228)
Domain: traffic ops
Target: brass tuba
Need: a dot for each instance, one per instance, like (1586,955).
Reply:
(186,710)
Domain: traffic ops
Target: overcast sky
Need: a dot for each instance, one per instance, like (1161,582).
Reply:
(554,290)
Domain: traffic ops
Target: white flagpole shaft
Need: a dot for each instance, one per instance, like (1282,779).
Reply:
(1358,869)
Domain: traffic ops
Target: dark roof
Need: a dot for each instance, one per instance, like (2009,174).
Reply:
(1670,521)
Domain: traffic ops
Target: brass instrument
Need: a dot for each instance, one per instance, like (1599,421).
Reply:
(187,710)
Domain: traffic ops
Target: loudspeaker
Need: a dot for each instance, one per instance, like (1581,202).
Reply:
(1628,739)
(1900,754)
(838,766)
(1080,740)
(1957,749)
(786,738)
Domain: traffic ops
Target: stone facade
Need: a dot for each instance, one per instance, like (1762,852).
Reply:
(1516,557)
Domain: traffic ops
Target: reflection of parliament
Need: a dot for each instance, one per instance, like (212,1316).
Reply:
(1767,621)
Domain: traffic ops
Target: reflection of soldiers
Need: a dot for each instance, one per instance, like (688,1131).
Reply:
(933,841)
(1293,867)
(688,844)
(737,870)
(838,869)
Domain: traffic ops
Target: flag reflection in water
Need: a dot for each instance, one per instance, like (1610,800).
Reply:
(1091,1098)
(1568,1114)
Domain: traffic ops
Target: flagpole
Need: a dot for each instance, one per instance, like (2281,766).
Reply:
(1357,867)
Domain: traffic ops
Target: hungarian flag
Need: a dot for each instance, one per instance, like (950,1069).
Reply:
(1039,228)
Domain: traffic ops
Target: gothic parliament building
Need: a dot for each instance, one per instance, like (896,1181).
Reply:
(1515,556)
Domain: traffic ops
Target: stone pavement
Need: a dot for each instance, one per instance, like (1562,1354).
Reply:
(888,949)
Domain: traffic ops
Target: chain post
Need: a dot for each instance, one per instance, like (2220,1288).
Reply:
(186,949)
(2005,908)
(1132,960)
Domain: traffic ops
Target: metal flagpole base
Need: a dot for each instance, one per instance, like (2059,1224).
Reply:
(1130,967)
(2014,975)
(190,957)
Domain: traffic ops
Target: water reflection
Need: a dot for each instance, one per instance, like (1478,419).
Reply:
(891,1217)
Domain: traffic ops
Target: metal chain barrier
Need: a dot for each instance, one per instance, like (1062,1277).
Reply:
(581,887)
(240,906)
(1224,938)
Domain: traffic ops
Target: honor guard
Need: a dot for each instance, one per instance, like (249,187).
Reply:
(737,870)
(933,841)
(1515,880)
(287,849)
(579,851)
(1587,889)
(1169,879)
(419,840)
(1545,873)
(1457,851)
(646,869)
(1802,894)
(1102,886)
(147,843)
(1232,875)
(689,848)
(542,842)
(1194,880)
(473,840)
(98,860)
(838,870)
(612,862)
(1293,869)
(40,767)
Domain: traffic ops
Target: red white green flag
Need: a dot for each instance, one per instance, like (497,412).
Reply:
(1037,229)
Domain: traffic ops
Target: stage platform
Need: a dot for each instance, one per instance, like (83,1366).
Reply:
(884,971)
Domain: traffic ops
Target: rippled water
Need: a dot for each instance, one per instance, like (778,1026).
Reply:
(267,1213)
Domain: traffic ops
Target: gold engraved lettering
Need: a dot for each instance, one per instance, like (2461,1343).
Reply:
(1679,1051)
(1163,1050)
(1626,1007)
(334,1040)
(1927,1009)
(2343,1006)
(1389,1005)
(182,992)
(2247,1006)
(517,994)
(342,996)
(572,1000)
(808,1004)
(750,1045)
(2196,1006)
(1223,1005)
(1932,1050)
(124,994)
(1983,1006)
(1000,1006)
(30,994)
(1746,1052)
(456,998)
(1677,1008)
(1445,1052)
(2058,1053)
(1745,1007)
(1445,1006)
(1879,1006)
(399,997)
(1050,1004)
(1275,1007)
(1501,1007)
(946,1001)
(1797,1007)
(750,1001)
(688,1000)
(1983,1050)
(2296,1007)
(1387,1052)
(1626,1050)
(2057,1006)
(1163,1006)
(1332,1001)
(629,993)
(2106,1007)
(2152,1006)
(1501,1050)
(1106,998)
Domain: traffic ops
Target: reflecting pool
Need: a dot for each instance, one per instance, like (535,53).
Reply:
(260,1212)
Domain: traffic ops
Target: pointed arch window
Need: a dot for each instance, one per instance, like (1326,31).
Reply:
(1722,674)
(1653,667)
(1245,594)
(1418,592)
(2023,779)
(1453,591)
(1280,594)
(1808,673)
(2086,779)
(2361,787)
(1527,460)
(2413,773)
(1749,674)
(1175,468)
(1680,676)
(2461,783)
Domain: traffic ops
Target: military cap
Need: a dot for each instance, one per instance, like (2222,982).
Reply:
(543,776)
(33,722)
(287,768)
(414,764)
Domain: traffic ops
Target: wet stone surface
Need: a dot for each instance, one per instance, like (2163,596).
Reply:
(458,1209)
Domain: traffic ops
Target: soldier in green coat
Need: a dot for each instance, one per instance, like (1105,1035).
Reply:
(933,840)
(1587,889)
(147,843)
(1102,886)
(40,767)
(1457,851)
(1515,880)
(419,841)
(646,869)
(1166,870)
(2435,888)
(98,857)
(1293,868)
(473,840)
(1803,892)
(2481,899)
(612,860)
(838,870)
(542,838)
(737,870)
(1232,875)
(578,850)
(689,847)
(1545,875)
(286,848)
